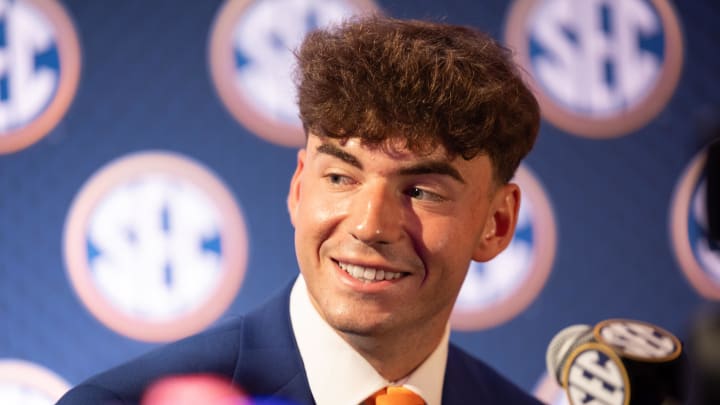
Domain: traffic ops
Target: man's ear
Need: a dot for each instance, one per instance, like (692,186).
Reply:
(500,223)
(293,199)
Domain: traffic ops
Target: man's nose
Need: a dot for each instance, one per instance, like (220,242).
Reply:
(377,216)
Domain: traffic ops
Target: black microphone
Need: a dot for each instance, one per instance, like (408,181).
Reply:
(618,362)
(703,348)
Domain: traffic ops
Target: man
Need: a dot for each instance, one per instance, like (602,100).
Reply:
(414,130)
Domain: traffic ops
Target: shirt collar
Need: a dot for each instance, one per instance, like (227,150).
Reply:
(337,374)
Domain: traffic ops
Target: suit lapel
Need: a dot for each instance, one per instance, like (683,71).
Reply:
(453,392)
(269,363)
(462,384)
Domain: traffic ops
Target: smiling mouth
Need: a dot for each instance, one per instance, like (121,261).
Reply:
(368,274)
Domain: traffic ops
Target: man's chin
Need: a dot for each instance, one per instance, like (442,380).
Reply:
(361,327)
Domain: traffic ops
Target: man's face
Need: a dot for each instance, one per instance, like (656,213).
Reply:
(384,239)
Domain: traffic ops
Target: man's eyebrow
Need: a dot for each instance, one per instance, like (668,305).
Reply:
(433,167)
(429,167)
(333,150)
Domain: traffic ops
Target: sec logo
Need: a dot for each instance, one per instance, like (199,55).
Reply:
(251,59)
(600,68)
(695,252)
(638,340)
(496,291)
(155,246)
(25,383)
(39,70)
(593,373)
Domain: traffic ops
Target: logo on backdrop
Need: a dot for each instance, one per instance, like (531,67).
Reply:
(39,71)
(697,254)
(251,59)
(600,68)
(22,382)
(155,246)
(496,291)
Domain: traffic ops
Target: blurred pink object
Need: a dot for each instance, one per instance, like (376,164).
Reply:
(194,389)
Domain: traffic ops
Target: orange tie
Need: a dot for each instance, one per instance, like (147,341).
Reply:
(395,396)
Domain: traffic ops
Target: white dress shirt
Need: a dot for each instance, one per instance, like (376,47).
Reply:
(338,375)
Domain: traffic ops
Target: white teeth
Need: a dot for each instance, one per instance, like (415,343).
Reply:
(368,274)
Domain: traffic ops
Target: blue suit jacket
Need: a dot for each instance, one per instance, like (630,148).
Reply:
(259,353)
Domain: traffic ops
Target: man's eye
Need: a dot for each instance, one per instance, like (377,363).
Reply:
(420,194)
(334,178)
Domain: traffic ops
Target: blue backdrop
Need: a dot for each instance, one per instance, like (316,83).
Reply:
(613,168)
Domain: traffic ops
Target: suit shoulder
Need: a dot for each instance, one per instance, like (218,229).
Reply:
(469,374)
(213,351)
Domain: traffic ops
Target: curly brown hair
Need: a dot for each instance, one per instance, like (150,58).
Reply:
(426,84)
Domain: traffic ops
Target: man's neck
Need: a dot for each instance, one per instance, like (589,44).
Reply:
(337,371)
(396,355)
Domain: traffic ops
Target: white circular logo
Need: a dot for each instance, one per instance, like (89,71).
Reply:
(25,383)
(39,70)
(155,246)
(600,68)
(638,340)
(251,59)
(689,231)
(594,374)
(496,291)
